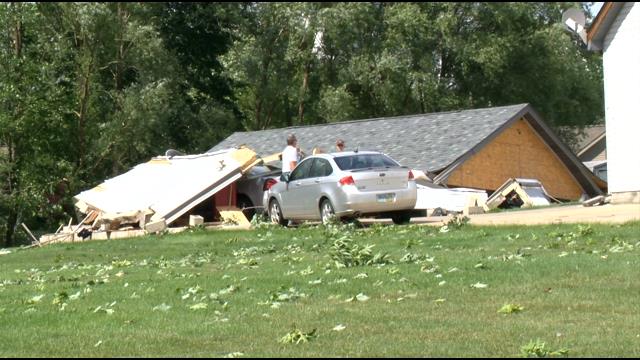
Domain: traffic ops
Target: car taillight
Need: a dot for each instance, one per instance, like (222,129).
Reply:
(411,177)
(347,180)
(268,184)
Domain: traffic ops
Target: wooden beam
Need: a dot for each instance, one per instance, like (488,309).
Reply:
(35,241)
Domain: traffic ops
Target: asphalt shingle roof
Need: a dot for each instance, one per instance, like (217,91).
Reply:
(428,142)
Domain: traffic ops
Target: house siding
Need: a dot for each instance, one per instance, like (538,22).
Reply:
(621,61)
(518,152)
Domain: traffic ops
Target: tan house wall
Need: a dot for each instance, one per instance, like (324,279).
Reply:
(518,152)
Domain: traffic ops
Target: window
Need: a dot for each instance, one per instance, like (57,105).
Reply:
(320,168)
(301,171)
(364,161)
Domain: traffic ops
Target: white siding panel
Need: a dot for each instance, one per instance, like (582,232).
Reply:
(621,60)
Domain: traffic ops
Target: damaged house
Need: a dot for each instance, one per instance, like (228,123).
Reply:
(473,151)
(167,191)
(478,149)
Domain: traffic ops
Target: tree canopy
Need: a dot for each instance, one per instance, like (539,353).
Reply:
(87,90)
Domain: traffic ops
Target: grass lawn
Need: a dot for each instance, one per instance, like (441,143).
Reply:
(418,292)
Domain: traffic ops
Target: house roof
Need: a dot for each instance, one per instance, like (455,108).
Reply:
(592,135)
(437,143)
(585,137)
(601,24)
(445,136)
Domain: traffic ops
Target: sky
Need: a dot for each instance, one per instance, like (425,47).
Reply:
(595,8)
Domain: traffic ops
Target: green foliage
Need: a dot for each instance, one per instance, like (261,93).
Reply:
(510,309)
(457,222)
(297,336)
(347,254)
(88,90)
(538,349)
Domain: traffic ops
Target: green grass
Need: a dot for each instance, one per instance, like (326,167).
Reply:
(577,287)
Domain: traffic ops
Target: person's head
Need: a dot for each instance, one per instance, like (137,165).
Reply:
(340,144)
(291,140)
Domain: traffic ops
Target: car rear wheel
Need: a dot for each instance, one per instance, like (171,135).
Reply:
(401,217)
(275,213)
(326,211)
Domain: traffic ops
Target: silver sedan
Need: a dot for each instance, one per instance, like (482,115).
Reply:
(343,185)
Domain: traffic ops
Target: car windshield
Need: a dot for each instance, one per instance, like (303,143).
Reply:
(364,161)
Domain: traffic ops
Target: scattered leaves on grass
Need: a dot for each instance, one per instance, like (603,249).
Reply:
(538,349)
(479,285)
(360,297)
(347,254)
(36,299)
(296,337)
(162,307)
(510,309)
(234,355)
(107,308)
(199,306)
(480,266)
(339,327)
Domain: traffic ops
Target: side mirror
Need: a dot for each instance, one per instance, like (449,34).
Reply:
(284,177)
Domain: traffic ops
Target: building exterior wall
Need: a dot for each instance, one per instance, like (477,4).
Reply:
(518,152)
(621,60)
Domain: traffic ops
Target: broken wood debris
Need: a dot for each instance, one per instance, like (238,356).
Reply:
(156,195)
(517,192)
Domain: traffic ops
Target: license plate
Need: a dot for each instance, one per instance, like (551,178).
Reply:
(385,198)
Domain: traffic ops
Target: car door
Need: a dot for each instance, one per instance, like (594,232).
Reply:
(318,179)
(293,196)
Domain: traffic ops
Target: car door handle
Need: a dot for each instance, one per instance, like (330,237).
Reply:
(297,183)
(317,181)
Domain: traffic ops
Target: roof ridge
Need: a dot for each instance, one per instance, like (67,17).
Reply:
(522,105)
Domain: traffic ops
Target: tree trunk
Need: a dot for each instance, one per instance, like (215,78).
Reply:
(305,86)
(13,186)
(12,220)
(82,113)
(17,38)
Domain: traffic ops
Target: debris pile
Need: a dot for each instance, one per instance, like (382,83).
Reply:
(519,193)
(155,195)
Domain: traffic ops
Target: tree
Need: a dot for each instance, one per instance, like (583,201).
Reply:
(32,132)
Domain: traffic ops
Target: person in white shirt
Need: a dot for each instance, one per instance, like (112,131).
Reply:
(290,154)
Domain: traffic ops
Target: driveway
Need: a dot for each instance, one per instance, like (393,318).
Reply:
(569,214)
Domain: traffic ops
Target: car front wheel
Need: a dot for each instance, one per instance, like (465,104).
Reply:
(275,213)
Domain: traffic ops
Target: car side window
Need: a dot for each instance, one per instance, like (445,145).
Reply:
(301,171)
(320,168)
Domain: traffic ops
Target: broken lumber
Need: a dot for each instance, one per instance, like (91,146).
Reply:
(35,241)
(156,226)
(522,192)
(598,200)
(233,215)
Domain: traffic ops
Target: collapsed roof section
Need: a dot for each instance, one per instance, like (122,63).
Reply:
(165,188)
